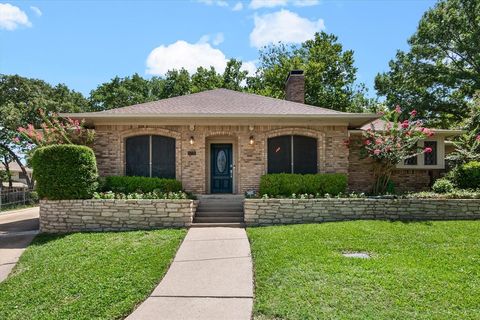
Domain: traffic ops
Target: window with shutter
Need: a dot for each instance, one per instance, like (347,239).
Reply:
(304,155)
(137,156)
(280,154)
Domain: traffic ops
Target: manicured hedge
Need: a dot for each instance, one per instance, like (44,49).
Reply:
(127,184)
(65,172)
(284,184)
(467,176)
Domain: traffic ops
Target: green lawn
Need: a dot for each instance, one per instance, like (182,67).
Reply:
(87,275)
(428,270)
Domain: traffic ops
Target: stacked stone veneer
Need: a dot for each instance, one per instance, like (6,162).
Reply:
(111,215)
(288,211)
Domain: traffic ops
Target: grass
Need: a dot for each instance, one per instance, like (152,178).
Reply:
(428,270)
(87,275)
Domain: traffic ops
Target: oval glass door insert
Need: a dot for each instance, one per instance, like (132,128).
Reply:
(221,161)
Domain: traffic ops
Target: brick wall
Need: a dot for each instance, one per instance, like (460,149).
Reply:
(112,215)
(361,179)
(251,159)
(289,211)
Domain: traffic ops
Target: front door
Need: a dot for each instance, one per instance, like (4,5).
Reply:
(221,168)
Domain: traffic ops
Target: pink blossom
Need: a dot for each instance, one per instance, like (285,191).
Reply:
(378,141)
(377,152)
(398,109)
(16,140)
(413,113)
(428,150)
(405,124)
(368,142)
(21,129)
(381,113)
(478,138)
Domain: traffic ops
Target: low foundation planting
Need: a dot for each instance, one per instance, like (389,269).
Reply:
(58,216)
(289,211)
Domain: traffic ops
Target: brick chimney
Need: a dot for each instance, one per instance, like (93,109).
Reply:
(295,86)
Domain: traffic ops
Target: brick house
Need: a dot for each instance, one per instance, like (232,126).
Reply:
(223,141)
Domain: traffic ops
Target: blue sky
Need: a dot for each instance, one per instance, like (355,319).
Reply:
(85,43)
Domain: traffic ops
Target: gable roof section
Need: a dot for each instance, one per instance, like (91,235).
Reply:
(222,103)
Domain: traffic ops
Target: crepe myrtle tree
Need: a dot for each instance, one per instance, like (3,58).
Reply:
(54,130)
(391,145)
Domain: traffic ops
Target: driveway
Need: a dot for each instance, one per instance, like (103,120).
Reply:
(17,230)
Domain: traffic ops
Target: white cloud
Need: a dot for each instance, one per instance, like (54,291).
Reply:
(238,6)
(190,56)
(37,11)
(305,3)
(220,3)
(257,4)
(285,26)
(217,39)
(11,17)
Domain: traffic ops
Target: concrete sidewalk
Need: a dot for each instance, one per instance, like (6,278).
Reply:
(17,230)
(210,278)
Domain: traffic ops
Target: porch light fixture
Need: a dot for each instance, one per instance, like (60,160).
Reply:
(251,140)
(192,140)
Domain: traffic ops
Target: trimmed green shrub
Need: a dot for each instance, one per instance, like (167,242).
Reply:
(64,172)
(126,184)
(286,184)
(442,186)
(467,176)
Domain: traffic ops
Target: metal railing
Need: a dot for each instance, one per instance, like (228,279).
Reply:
(16,196)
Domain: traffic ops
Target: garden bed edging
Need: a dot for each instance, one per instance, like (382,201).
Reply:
(58,216)
(290,211)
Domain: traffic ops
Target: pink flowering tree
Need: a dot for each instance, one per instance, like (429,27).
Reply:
(55,130)
(391,144)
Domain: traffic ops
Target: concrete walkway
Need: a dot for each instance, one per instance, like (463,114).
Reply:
(210,278)
(17,230)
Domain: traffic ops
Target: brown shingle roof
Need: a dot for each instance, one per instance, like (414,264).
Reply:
(222,101)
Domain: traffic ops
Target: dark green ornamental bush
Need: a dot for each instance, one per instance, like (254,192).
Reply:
(65,171)
(467,176)
(443,186)
(126,184)
(286,184)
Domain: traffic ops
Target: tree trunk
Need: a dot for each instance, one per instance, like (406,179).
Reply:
(20,164)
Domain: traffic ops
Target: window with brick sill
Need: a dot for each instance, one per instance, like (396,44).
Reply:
(150,156)
(292,154)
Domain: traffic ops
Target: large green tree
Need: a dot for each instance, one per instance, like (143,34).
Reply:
(440,73)
(330,74)
(20,101)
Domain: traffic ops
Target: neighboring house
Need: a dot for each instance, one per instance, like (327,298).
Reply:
(223,141)
(18,177)
(417,173)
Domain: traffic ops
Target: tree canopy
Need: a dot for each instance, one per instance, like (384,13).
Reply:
(20,101)
(330,73)
(440,73)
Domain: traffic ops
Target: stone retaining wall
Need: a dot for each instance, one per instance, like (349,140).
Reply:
(287,211)
(111,215)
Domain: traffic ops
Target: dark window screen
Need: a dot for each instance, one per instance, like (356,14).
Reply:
(304,155)
(137,156)
(163,157)
(430,158)
(279,154)
(411,161)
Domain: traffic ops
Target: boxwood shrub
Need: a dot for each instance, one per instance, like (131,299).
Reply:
(65,172)
(285,184)
(126,184)
(467,176)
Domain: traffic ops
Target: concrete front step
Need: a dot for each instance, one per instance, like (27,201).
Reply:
(219,209)
(218,219)
(226,225)
(219,214)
